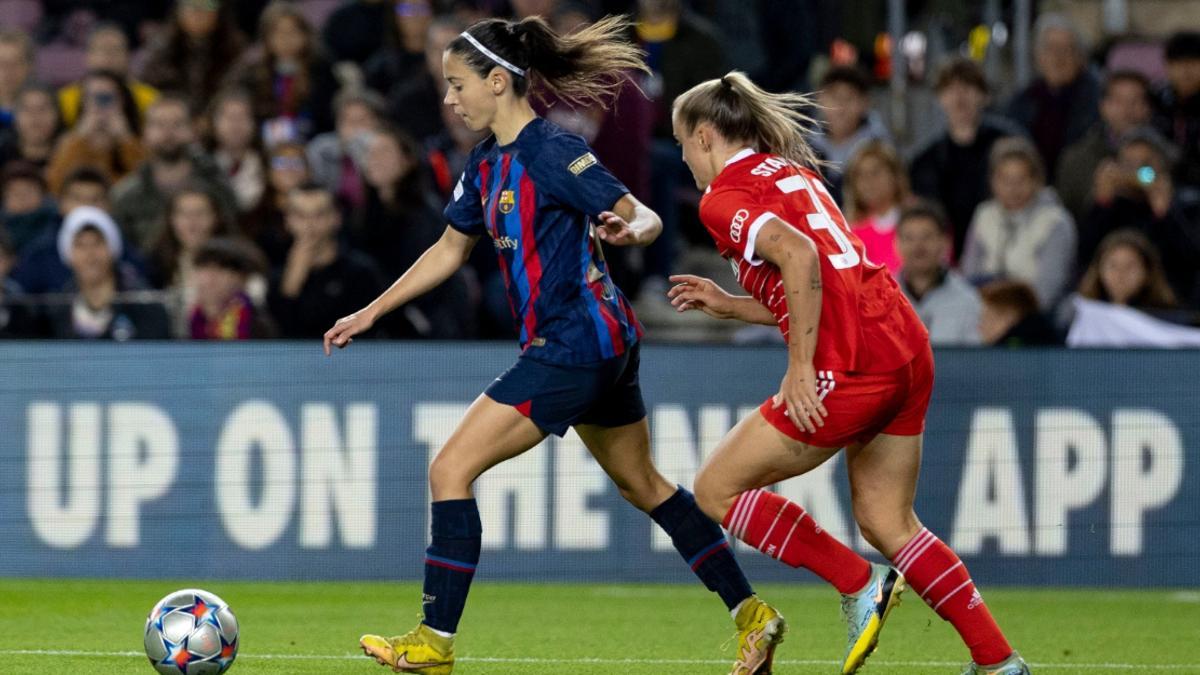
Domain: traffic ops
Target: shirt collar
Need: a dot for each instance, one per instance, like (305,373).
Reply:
(740,155)
(737,157)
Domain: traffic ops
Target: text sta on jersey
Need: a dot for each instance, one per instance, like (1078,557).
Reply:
(770,165)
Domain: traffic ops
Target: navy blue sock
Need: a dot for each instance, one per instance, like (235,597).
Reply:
(703,545)
(450,561)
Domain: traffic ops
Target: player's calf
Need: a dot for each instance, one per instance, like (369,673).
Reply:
(783,530)
(941,579)
(703,546)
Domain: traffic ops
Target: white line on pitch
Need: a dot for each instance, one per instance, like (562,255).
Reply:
(606,661)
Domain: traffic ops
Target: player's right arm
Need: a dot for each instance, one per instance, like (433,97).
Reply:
(733,217)
(434,266)
(465,225)
(693,292)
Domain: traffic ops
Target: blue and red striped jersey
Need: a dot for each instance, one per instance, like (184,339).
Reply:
(535,199)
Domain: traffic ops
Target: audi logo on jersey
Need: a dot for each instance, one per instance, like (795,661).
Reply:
(735,226)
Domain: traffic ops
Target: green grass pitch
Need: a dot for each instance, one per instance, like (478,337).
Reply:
(75,626)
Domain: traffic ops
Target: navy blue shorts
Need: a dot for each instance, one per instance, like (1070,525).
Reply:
(558,397)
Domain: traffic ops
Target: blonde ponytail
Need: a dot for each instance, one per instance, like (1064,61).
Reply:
(742,111)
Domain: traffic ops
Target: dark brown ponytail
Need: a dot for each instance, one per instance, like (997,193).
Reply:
(582,68)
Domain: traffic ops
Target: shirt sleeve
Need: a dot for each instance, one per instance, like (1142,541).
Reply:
(734,217)
(464,212)
(575,177)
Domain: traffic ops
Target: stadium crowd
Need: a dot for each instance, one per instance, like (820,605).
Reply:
(217,170)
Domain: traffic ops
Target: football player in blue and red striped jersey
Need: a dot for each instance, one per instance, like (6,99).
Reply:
(534,190)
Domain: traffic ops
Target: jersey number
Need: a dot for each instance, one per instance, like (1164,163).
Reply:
(847,257)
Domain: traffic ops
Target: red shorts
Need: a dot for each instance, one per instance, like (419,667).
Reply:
(863,405)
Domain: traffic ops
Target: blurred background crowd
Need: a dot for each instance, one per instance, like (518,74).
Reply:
(218,170)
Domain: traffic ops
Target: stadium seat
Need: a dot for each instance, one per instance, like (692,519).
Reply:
(22,14)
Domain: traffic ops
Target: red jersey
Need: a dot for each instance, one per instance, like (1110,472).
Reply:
(867,325)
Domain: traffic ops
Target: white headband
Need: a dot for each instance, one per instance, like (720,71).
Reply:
(492,55)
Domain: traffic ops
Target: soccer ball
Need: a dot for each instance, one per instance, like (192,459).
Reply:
(191,632)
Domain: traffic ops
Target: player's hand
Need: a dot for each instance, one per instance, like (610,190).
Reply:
(692,292)
(346,328)
(613,229)
(1160,195)
(798,392)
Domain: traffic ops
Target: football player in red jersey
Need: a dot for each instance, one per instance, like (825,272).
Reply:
(859,375)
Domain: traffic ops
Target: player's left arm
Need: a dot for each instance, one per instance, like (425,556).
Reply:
(799,262)
(629,223)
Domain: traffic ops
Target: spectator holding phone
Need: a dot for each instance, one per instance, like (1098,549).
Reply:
(1136,190)
(106,136)
(108,50)
(1124,106)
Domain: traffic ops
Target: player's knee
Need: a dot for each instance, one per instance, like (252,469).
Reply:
(644,490)
(637,497)
(711,497)
(869,533)
(447,477)
(886,529)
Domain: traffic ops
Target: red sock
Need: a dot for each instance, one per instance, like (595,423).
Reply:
(935,572)
(784,531)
